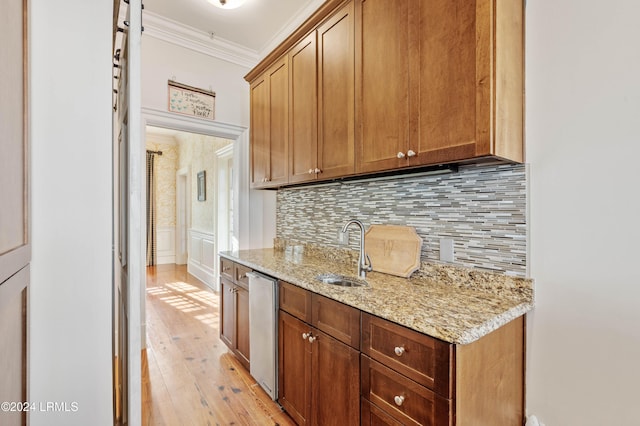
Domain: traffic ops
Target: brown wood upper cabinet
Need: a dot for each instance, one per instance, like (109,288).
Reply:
(438,81)
(362,87)
(321,99)
(269,126)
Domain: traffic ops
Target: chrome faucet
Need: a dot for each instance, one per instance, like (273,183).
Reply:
(364,263)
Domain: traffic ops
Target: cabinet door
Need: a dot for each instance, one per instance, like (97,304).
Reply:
(15,239)
(242,325)
(336,382)
(294,368)
(227,313)
(269,128)
(260,131)
(303,111)
(278,122)
(336,94)
(382,84)
(453,89)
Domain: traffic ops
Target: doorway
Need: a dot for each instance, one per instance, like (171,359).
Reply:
(191,179)
(183,213)
(204,251)
(225,233)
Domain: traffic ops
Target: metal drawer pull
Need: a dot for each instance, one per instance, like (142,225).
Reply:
(398,399)
(399,350)
(226,268)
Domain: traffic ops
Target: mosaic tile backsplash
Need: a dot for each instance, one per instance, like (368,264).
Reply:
(481,207)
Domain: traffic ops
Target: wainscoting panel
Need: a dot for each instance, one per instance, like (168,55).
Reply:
(202,256)
(166,244)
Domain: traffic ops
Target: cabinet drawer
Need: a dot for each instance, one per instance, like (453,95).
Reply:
(423,359)
(371,415)
(226,269)
(401,398)
(295,300)
(336,319)
(240,274)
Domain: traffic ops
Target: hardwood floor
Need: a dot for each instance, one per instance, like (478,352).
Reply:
(188,376)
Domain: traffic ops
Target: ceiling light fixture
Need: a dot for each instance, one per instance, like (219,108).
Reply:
(227,4)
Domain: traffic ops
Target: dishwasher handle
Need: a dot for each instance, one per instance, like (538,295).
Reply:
(256,276)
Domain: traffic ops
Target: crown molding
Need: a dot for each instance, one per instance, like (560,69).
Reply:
(165,29)
(288,28)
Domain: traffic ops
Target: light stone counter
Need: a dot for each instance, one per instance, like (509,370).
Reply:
(459,310)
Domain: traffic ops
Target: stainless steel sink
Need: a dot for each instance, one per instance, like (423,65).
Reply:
(341,280)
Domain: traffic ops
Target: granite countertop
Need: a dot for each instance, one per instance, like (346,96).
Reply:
(457,313)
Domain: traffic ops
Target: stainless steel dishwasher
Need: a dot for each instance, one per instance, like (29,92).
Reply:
(263,335)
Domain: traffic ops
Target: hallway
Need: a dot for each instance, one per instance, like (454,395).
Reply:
(188,376)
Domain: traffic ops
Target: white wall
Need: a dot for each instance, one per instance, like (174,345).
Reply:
(70,295)
(583,143)
(162,61)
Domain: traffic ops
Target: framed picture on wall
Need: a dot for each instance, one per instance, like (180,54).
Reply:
(189,100)
(202,186)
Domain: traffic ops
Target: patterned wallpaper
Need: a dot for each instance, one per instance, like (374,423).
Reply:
(199,153)
(481,207)
(166,166)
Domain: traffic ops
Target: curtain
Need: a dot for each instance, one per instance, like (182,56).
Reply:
(151,209)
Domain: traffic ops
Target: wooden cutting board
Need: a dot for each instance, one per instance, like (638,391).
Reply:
(393,249)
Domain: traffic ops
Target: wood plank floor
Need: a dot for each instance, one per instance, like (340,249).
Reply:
(188,375)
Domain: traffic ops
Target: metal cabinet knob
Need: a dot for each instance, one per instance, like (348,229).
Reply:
(312,339)
(317,170)
(400,155)
(398,399)
(310,171)
(399,350)
(411,153)
(305,336)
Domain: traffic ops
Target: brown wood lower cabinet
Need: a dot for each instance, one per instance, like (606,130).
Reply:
(319,375)
(234,310)
(412,379)
(340,366)
(402,398)
(294,370)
